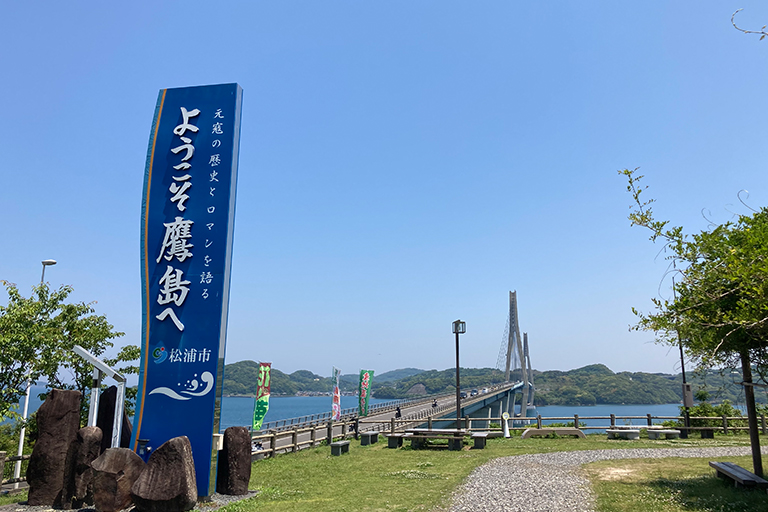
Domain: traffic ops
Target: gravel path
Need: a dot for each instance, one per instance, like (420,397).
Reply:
(550,482)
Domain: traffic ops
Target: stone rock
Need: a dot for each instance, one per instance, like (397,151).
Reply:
(234,471)
(78,475)
(168,483)
(114,473)
(58,421)
(106,416)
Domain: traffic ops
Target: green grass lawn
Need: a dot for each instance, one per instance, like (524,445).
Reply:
(6,499)
(670,485)
(375,478)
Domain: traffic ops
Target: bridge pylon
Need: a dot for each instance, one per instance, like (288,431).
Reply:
(514,354)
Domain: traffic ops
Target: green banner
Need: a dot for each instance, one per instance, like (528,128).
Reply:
(262,396)
(366,376)
(259,412)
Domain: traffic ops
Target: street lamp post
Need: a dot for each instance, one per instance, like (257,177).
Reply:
(46,263)
(25,411)
(459,327)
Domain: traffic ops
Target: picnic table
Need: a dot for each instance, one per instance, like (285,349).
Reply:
(420,436)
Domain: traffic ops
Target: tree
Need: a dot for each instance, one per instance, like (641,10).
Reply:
(37,335)
(720,307)
(27,334)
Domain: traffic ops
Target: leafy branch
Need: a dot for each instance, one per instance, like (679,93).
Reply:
(762,31)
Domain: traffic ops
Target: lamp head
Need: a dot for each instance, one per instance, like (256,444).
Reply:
(459,327)
(48,262)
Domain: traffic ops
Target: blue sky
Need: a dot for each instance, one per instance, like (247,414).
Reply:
(402,164)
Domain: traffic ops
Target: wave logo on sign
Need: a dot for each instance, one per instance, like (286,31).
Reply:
(190,389)
(159,354)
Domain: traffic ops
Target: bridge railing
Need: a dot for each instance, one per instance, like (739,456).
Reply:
(346,414)
(325,417)
(349,414)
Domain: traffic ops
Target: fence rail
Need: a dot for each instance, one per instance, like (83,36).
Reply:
(272,443)
(8,464)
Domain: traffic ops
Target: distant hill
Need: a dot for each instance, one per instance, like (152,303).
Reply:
(240,379)
(597,384)
(589,385)
(436,381)
(397,374)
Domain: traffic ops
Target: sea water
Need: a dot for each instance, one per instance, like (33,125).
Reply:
(621,411)
(238,411)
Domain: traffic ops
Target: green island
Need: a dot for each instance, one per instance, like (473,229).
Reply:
(590,385)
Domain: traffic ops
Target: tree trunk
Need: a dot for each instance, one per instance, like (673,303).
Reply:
(749,395)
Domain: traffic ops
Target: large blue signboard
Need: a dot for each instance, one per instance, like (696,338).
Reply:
(186,248)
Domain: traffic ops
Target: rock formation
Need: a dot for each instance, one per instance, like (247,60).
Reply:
(58,420)
(168,483)
(234,471)
(106,417)
(78,475)
(114,473)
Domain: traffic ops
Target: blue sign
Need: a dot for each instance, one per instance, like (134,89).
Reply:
(187,221)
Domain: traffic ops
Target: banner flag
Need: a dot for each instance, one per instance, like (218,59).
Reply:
(366,376)
(262,395)
(187,228)
(336,408)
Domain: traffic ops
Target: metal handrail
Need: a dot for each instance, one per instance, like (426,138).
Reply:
(351,413)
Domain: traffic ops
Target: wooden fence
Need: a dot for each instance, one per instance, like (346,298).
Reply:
(270,443)
(10,484)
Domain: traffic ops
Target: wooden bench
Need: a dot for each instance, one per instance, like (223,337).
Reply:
(740,476)
(394,440)
(339,447)
(654,433)
(479,438)
(623,433)
(560,431)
